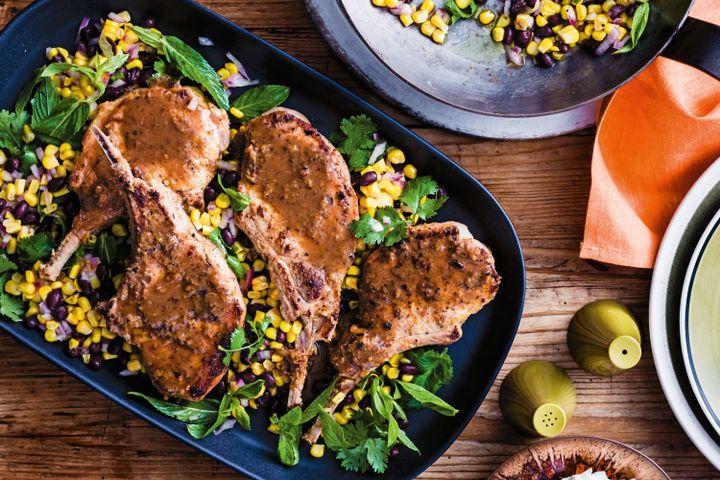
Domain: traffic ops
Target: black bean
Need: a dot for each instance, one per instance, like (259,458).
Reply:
(31,217)
(113,93)
(131,76)
(31,322)
(394,452)
(554,20)
(20,209)
(368,178)
(147,58)
(84,285)
(523,38)
(102,272)
(248,377)
(404,424)
(93,297)
(408,369)
(71,206)
(365,402)
(227,236)
(96,361)
(56,184)
(210,194)
(630,10)
(531,3)
(88,33)
(221,387)
(149,22)
(230,179)
(73,352)
(253,308)
(281,337)
(115,346)
(53,299)
(60,313)
(563,48)
(508,36)
(320,384)
(544,60)
(12,164)
(517,6)
(263,400)
(590,45)
(269,380)
(616,11)
(543,32)
(3,202)
(95,348)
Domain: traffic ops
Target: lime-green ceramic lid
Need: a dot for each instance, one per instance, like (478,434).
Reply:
(549,420)
(625,352)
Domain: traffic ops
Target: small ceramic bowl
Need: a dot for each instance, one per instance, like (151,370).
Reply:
(562,457)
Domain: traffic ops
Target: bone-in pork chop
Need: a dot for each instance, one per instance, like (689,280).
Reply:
(299,221)
(416,293)
(178,299)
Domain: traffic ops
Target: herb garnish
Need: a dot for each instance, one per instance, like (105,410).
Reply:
(35,247)
(11,307)
(355,140)
(11,124)
(457,13)
(257,100)
(238,339)
(230,255)
(188,61)
(238,201)
(206,416)
(388,227)
(639,21)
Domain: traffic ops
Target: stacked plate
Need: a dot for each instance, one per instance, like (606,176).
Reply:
(685,314)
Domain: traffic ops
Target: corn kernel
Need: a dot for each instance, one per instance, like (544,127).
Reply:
(439,36)
(569,34)
(31,199)
(341,418)
(545,45)
(407,378)
(427,5)
(503,21)
(524,21)
(462,3)
(581,12)
(438,22)
(222,201)
(541,21)
(50,335)
(393,373)
(607,5)
(379,3)
(532,48)
(291,337)
(84,303)
(50,162)
(549,8)
(257,368)
(11,246)
(497,34)
(271,333)
(406,20)
(420,16)
(600,22)
(317,450)
(285,326)
(235,112)
(599,36)
(410,171)
(134,366)
(486,17)
(28,135)
(119,230)
(84,327)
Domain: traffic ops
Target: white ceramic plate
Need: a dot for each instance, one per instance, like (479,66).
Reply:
(700,322)
(682,236)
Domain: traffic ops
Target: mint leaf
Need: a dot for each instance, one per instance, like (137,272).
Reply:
(258,100)
(192,412)
(428,399)
(639,20)
(66,118)
(188,61)
(238,201)
(435,369)
(106,248)
(251,390)
(202,430)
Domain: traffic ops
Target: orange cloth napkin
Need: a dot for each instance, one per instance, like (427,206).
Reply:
(657,135)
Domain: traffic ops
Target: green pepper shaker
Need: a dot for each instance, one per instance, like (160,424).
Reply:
(604,338)
(538,398)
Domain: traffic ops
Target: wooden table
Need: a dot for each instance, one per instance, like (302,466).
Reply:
(53,426)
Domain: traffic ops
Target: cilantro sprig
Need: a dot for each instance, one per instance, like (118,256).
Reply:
(239,340)
(10,307)
(11,124)
(388,226)
(355,140)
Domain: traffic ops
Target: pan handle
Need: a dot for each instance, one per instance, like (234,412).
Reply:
(697,44)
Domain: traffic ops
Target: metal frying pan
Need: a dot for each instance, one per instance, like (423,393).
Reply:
(465,85)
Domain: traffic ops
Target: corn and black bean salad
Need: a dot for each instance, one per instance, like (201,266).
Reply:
(39,143)
(545,30)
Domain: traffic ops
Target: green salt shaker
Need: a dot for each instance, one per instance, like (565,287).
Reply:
(538,398)
(604,338)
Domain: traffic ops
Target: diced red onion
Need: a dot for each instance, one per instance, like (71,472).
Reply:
(40,153)
(205,42)
(133,51)
(264,354)
(115,17)
(35,171)
(193,104)
(44,309)
(607,42)
(506,8)
(397,178)
(226,221)
(236,80)
(127,373)
(377,152)
(244,402)
(572,18)
(514,56)
(443,14)
(618,44)
(241,69)
(248,280)
(94,262)
(118,83)
(617,21)
(83,23)
(402,9)
(226,425)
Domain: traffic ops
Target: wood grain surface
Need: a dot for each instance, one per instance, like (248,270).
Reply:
(52,426)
